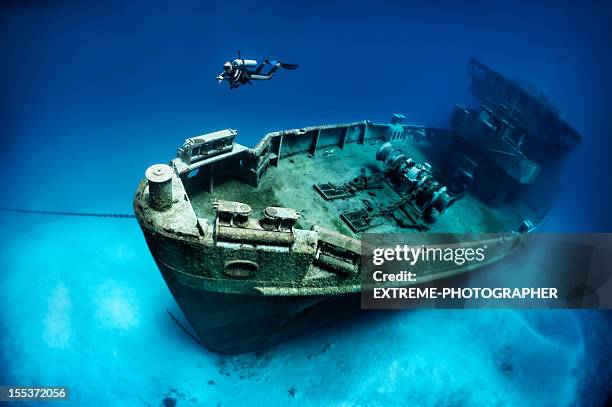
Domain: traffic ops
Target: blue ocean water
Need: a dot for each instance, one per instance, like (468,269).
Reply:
(93,93)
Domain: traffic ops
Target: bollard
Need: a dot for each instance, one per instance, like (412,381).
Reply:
(160,186)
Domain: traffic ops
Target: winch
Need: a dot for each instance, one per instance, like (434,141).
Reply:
(416,179)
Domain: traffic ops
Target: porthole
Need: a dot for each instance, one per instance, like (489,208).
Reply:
(241,268)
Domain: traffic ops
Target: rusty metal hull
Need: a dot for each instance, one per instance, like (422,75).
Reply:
(230,323)
(240,322)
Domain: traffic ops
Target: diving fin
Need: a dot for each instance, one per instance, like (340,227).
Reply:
(282,64)
(288,66)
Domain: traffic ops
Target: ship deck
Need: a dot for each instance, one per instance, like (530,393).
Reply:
(290,184)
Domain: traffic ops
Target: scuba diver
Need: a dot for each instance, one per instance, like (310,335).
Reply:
(240,71)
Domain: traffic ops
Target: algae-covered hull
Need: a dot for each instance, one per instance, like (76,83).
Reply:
(260,244)
(240,323)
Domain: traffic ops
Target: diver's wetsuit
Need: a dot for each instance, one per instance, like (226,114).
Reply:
(239,71)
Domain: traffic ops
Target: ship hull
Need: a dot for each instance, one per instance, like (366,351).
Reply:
(230,323)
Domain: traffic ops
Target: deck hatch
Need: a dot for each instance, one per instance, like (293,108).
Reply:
(329,192)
